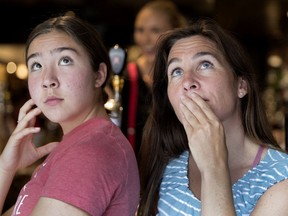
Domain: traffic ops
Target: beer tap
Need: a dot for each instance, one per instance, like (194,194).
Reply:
(117,57)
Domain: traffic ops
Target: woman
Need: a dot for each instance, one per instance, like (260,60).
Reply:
(153,19)
(93,170)
(207,146)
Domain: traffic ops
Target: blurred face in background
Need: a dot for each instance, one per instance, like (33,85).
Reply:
(149,25)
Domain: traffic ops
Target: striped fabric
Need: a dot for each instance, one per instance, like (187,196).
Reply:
(177,199)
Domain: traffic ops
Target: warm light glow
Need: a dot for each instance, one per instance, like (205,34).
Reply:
(110,104)
(22,72)
(11,67)
(2,72)
(275,61)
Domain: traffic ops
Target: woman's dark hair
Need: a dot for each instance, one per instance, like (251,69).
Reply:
(82,32)
(164,136)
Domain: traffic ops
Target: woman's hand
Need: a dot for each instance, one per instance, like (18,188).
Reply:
(20,150)
(206,138)
(204,131)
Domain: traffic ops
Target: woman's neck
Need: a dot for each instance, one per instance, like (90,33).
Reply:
(145,66)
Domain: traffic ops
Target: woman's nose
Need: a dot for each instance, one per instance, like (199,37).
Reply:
(190,83)
(146,37)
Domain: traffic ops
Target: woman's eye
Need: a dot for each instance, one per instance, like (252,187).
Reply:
(65,61)
(138,30)
(205,65)
(157,31)
(176,72)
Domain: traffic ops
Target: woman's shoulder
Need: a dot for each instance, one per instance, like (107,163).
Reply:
(133,53)
(176,172)
(272,169)
(275,163)
(274,157)
(178,163)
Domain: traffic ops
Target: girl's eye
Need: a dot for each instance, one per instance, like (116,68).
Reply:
(65,61)
(205,65)
(35,66)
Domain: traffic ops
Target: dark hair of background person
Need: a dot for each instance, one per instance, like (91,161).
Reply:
(163,133)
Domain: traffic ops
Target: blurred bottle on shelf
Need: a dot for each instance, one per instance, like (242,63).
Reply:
(118,56)
(7,123)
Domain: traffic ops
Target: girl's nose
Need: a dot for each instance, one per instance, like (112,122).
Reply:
(52,84)
(50,81)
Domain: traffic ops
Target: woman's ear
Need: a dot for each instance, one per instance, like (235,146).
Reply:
(100,75)
(242,87)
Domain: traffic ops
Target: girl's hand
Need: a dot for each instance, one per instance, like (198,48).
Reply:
(20,150)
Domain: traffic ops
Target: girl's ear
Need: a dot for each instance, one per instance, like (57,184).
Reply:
(242,87)
(100,75)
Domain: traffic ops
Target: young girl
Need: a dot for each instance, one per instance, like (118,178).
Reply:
(93,170)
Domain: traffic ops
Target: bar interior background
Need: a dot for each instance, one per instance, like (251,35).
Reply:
(261,25)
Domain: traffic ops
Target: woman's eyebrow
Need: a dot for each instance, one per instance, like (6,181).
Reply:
(197,55)
(203,53)
(172,60)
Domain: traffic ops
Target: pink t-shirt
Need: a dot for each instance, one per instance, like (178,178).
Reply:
(93,168)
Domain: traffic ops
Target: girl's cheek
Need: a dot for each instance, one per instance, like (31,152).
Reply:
(32,86)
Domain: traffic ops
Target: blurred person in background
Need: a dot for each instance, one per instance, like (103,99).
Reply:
(153,19)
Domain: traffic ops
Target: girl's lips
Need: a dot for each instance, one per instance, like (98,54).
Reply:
(52,101)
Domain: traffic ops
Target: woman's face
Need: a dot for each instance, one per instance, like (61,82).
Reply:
(149,25)
(196,65)
(61,80)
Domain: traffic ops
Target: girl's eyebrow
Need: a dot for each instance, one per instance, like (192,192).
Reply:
(56,50)
(33,55)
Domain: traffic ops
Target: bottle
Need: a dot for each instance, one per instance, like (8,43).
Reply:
(7,124)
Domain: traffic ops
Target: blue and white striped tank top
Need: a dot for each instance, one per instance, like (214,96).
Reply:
(177,199)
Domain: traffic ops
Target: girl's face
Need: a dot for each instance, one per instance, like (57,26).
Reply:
(149,25)
(61,80)
(196,65)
